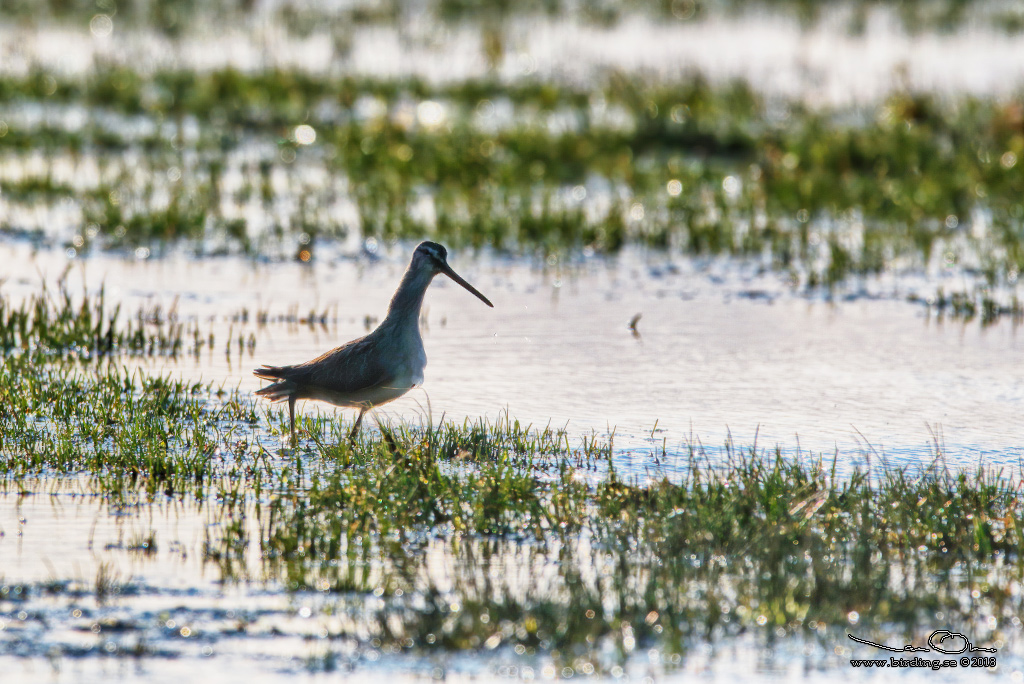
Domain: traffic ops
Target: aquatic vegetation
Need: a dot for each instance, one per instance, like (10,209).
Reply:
(764,541)
(289,159)
(54,323)
(548,554)
(497,536)
(126,430)
(69,407)
(980,304)
(431,541)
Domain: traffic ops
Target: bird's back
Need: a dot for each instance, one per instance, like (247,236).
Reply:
(370,370)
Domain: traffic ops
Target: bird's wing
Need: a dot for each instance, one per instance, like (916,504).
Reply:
(349,368)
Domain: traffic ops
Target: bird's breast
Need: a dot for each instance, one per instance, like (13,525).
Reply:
(415,364)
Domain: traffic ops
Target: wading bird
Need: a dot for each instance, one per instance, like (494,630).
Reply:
(375,369)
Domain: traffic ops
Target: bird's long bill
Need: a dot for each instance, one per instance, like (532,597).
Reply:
(447,270)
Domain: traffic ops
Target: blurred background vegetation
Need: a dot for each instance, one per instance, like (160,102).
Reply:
(274,160)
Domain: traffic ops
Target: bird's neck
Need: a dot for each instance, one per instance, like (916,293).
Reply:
(408,298)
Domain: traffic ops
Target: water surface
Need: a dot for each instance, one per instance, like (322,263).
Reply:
(717,351)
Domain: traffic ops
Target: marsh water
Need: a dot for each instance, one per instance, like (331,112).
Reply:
(716,354)
(679,350)
(660,352)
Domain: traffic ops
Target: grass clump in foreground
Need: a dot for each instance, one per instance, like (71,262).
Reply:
(127,431)
(549,552)
(68,408)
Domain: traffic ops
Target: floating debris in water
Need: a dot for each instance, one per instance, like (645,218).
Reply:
(633,325)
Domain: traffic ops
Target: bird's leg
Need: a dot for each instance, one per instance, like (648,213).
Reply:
(291,415)
(355,428)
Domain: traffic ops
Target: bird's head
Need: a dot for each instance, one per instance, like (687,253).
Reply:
(432,256)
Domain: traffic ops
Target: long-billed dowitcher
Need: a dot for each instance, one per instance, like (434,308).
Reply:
(375,369)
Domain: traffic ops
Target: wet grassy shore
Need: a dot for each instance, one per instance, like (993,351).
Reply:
(551,557)
(152,519)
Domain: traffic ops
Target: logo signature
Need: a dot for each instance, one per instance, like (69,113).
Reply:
(935,642)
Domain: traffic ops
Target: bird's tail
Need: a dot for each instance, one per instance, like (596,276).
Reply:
(279,391)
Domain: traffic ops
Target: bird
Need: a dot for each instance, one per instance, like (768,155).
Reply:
(377,368)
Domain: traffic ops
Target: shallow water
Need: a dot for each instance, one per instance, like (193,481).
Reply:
(717,352)
(721,351)
(169,611)
(825,63)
